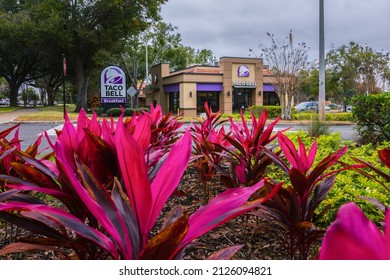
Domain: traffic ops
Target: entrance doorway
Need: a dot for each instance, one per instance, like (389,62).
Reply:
(242,99)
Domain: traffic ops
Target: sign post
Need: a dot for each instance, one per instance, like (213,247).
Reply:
(131,91)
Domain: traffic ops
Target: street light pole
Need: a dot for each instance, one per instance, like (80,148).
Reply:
(321,97)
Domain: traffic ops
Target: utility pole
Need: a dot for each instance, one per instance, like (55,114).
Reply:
(321,95)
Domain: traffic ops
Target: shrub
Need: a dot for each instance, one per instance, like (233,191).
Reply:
(342,116)
(114,112)
(93,102)
(129,112)
(236,157)
(316,127)
(292,210)
(353,235)
(109,202)
(339,116)
(272,111)
(352,186)
(372,117)
(349,185)
(98,110)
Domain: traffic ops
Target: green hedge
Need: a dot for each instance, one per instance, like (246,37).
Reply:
(349,185)
(115,112)
(372,117)
(272,111)
(339,116)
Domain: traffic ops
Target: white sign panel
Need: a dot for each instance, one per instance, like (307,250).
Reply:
(131,91)
(112,85)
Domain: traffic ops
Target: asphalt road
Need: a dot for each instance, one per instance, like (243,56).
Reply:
(29,132)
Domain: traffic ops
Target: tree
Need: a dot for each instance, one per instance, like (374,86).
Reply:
(310,85)
(30,34)
(145,49)
(359,70)
(286,61)
(97,26)
(159,43)
(16,62)
(3,88)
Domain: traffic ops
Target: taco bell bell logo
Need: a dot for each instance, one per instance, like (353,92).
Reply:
(243,71)
(113,85)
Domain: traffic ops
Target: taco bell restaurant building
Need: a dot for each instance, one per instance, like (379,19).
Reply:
(236,83)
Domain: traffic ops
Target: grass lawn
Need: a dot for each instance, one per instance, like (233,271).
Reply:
(49,113)
(8,109)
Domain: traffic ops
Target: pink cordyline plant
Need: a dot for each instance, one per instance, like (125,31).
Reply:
(110,213)
(247,157)
(352,236)
(293,207)
(209,142)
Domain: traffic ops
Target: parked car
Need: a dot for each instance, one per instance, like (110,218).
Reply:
(307,106)
(335,107)
(4,102)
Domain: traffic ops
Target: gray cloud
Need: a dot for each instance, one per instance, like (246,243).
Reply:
(230,27)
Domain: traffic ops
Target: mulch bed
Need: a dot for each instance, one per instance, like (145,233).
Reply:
(245,230)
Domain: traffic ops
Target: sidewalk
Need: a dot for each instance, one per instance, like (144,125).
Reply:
(11,116)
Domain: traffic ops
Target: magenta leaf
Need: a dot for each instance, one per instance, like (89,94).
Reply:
(92,205)
(289,151)
(66,220)
(352,236)
(122,203)
(225,206)
(325,164)
(135,176)
(167,181)
(117,229)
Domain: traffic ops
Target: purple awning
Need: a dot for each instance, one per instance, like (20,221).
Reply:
(172,88)
(208,87)
(268,87)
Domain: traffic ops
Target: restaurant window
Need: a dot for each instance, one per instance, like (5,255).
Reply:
(212,98)
(270,98)
(174,102)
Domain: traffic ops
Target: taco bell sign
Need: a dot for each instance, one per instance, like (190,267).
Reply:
(112,85)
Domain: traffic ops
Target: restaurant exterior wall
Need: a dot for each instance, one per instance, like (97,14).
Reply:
(238,82)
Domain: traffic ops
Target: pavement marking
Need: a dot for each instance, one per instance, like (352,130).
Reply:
(52,131)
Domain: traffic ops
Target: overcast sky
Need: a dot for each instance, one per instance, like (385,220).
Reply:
(232,27)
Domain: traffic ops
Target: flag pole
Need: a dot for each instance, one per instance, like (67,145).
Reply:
(63,81)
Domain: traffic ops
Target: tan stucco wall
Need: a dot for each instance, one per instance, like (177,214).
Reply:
(228,69)
(185,100)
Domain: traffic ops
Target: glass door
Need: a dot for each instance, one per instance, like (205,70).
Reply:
(242,99)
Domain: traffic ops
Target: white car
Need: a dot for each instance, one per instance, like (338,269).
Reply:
(309,106)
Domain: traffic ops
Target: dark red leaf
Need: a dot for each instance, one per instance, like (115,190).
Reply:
(384,155)
(165,244)
(225,254)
